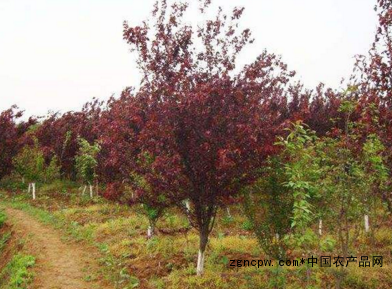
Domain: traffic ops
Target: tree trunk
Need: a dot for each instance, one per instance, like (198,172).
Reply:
(84,190)
(320,227)
(91,191)
(150,232)
(151,229)
(33,188)
(366,221)
(29,188)
(202,249)
(228,212)
(188,205)
(200,262)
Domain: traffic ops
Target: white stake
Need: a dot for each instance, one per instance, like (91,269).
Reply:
(366,217)
(320,227)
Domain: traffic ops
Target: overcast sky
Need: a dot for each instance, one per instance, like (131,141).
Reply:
(58,54)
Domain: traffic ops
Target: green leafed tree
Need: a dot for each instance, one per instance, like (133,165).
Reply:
(154,201)
(280,205)
(52,171)
(268,207)
(86,162)
(30,163)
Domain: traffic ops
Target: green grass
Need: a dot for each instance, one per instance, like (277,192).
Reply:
(3,218)
(168,260)
(17,274)
(5,236)
(41,215)
(74,231)
(3,240)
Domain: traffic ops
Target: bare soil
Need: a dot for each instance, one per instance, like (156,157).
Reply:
(59,264)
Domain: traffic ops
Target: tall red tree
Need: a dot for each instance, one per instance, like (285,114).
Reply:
(11,137)
(210,125)
(118,130)
(372,81)
(8,139)
(372,78)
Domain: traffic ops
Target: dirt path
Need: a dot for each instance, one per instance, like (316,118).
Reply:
(58,264)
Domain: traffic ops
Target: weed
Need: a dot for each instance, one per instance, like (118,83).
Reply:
(17,272)
(3,240)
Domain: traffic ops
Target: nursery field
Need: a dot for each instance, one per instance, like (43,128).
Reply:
(101,244)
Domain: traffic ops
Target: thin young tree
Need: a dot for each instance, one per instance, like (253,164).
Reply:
(30,164)
(86,163)
(153,200)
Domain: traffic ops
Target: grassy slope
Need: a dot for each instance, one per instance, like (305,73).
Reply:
(168,260)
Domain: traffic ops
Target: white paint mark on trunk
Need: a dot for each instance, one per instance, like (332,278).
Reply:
(200,263)
(228,212)
(367,227)
(150,232)
(188,205)
(320,227)
(33,188)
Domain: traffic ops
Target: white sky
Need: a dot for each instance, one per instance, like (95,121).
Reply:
(58,54)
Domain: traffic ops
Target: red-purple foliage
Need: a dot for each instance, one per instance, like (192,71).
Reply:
(317,108)
(373,80)
(118,130)
(58,134)
(113,191)
(11,137)
(209,126)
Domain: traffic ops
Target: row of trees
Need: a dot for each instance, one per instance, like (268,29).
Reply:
(201,130)
(336,179)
